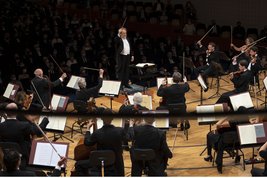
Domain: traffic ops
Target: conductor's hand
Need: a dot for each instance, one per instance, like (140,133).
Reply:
(101,72)
(63,76)
(90,124)
(62,161)
(199,43)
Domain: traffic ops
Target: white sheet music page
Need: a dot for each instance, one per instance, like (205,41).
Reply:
(110,87)
(161,123)
(242,99)
(160,79)
(61,149)
(56,123)
(55,101)
(247,134)
(43,154)
(73,82)
(144,64)
(202,83)
(9,90)
(265,82)
(206,109)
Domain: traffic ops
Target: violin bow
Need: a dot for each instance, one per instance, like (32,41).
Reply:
(207,33)
(40,99)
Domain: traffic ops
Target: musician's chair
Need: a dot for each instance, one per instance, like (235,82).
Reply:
(143,155)
(229,142)
(101,160)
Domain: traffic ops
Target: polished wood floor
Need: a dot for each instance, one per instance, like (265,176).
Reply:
(186,160)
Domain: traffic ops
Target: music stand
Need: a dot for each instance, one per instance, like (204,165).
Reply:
(11,91)
(73,82)
(110,88)
(241,99)
(203,87)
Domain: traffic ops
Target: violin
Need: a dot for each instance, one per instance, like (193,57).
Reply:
(91,105)
(24,100)
(235,74)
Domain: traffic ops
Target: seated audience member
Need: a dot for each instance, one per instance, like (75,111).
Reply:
(12,161)
(263,154)
(108,137)
(146,136)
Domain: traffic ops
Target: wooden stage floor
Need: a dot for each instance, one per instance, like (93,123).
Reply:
(186,159)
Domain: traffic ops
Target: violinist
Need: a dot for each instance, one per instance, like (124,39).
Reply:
(43,87)
(254,65)
(212,61)
(241,81)
(108,137)
(174,93)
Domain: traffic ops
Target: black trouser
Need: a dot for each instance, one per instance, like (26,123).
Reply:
(206,70)
(123,68)
(212,140)
(225,98)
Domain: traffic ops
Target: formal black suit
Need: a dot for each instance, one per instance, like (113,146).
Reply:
(241,84)
(174,93)
(149,137)
(108,137)
(85,93)
(255,68)
(43,87)
(131,109)
(234,67)
(122,61)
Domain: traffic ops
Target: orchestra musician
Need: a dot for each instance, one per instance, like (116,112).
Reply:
(123,56)
(108,137)
(174,93)
(221,127)
(241,81)
(254,65)
(84,93)
(146,136)
(213,65)
(263,154)
(248,42)
(43,86)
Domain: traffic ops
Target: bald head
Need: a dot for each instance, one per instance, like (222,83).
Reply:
(11,106)
(38,72)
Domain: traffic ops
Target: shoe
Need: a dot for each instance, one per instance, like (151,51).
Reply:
(208,158)
(219,169)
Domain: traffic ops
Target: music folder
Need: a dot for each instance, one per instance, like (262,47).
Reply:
(241,99)
(42,153)
(59,102)
(117,122)
(11,91)
(110,87)
(73,82)
(202,83)
(252,133)
(160,79)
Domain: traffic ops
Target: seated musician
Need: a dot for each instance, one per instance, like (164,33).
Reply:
(213,65)
(254,65)
(108,137)
(136,107)
(12,161)
(13,130)
(263,155)
(241,81)
(146,136)
(221,127)
(84,93)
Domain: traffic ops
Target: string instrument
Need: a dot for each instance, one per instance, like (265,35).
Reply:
(24,100)
(81,151)
(91,104)
(236,73)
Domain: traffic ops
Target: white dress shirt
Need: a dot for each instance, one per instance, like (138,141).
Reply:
(126,47)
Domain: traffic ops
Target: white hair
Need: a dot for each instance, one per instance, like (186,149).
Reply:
(82,83)
(137,98)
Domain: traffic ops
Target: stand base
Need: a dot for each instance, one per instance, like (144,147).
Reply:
(61,136)
(203,151)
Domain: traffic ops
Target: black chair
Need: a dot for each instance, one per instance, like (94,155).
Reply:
(143,155)
(229,142)
(101,159)
(80,107)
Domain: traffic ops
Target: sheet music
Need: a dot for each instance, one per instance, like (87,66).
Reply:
(209,109)
(202,83)
(247,134)
(242,99)
(73,82)
(61,102)
(144,64)
(110,87)
(265,82)
(9,90)
(117,122)
(161,123)
(56,123)
(46,156)
(147,101)
(160,79)
(259,129)
(54,102)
